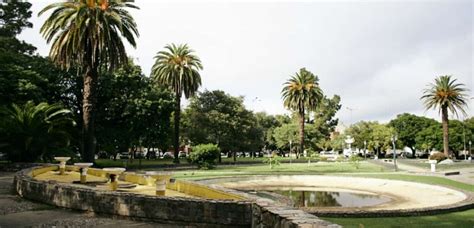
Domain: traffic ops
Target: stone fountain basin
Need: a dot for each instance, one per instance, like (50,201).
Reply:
(405,195)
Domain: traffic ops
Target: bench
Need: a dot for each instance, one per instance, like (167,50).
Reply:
(452,173)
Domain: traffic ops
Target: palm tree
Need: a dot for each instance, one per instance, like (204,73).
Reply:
(445,94)
(30,131)
(302,93)
(87,34)
(177,67)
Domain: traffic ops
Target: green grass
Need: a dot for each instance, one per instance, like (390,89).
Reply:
(456,219)
(319,168)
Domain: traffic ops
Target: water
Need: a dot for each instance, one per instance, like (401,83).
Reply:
(314,198)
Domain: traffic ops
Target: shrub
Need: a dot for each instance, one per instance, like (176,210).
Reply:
(437,156)
(355,161)
(273,160)
(204,155)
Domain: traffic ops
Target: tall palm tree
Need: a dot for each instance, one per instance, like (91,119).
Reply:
(178,68)
(87,34)
(445,94)
(302,93)
(30,131)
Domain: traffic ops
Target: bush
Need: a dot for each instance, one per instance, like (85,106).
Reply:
(437,156)
(355,161)
(204,155)
(273,160)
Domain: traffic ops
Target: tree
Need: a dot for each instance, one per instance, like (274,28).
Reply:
(445,94)
(219,118)
(33,131)
(134,112)
(408,126)
(302,93)
(14,17)
(178,68)
(88,35)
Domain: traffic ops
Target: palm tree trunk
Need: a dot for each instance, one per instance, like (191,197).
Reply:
(301,134)
(177,116)
(444,117)
(88,105)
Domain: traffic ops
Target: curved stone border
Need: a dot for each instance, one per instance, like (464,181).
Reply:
(467,203)
(174,210)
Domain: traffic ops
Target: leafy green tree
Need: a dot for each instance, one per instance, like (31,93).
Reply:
(134,112)
(219,118)
(430,138)
(178,68)
(445,94)
(33,131)
(14,17)
(380,137)
(408,126)
(88,35)
(302,93)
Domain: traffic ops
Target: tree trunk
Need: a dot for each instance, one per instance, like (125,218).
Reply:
(177,116)
(444,117)
(88,106)
(301,134)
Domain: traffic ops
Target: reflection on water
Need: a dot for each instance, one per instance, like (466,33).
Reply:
(304,198)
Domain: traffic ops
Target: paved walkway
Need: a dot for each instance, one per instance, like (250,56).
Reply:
(17,212)
(466,174)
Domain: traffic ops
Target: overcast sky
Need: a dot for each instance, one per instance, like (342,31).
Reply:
(377,55)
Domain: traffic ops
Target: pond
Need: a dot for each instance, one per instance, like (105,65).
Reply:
(314,197)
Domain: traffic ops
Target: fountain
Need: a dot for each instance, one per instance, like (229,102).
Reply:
(161,179)
(113,173)
(83,170)
(348,151)
(62,164)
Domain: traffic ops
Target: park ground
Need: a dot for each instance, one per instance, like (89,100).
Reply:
(17,212)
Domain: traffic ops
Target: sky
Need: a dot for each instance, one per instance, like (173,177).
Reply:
(377,55)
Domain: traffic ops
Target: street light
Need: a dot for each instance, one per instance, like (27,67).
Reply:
(394,138)
(365,150)
(470,156)
(290,151)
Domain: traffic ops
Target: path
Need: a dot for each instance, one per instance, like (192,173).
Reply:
(466,173)
(17,212)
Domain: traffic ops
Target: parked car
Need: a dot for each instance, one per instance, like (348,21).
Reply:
(168,154)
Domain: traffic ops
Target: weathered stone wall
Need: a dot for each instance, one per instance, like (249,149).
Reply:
(266,215)
(184,211)
(197,212)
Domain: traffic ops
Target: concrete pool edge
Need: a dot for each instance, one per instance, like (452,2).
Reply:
(183,211)
(465,204)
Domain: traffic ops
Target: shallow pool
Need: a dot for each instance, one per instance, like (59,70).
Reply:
(312,197)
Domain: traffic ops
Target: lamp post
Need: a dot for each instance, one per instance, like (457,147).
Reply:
(470,156)
(394,138)
(365,150)
(290,151)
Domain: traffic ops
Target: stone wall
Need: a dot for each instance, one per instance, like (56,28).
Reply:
(183,211)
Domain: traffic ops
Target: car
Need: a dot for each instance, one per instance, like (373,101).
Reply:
(168,155)
(182,154)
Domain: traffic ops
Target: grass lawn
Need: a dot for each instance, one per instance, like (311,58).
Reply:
(148,164)
(463,219)
(319,168)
